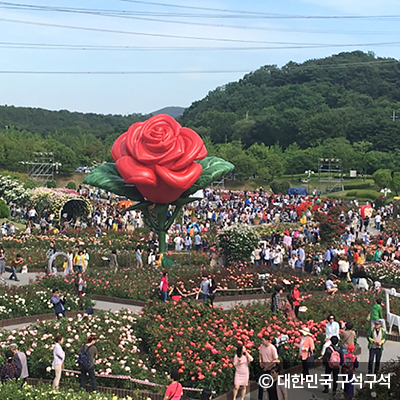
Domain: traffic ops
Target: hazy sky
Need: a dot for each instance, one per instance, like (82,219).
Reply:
(34,45)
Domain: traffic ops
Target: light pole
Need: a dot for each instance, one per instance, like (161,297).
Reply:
(385,191)
(309,173)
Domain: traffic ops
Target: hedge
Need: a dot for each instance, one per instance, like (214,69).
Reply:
(351,186)
(363,194)
(280,187)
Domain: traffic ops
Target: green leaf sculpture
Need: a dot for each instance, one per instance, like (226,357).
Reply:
(213,168)
(107,177)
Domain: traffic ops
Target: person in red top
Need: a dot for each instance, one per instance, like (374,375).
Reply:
(174,390)
(164,287)
(296,298)
(356,256)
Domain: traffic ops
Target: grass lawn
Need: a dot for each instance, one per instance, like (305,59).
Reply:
(254,184)
(20,227)
(77,178)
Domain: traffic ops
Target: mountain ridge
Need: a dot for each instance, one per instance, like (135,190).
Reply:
(172,111)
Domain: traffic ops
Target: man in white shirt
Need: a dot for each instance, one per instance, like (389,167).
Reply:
(277,257)
(267,256)
(31,214)
(378,221)
(166,241)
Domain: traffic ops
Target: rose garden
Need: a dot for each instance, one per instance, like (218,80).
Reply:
(160,166)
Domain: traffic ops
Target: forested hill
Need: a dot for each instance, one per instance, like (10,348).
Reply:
(349,95)
(45,122)
(74,138)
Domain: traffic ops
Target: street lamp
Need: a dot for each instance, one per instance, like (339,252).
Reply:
(309,173)
(385,191)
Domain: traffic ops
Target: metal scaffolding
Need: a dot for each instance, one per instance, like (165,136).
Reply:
(220,184)
(330,171)
(42,168)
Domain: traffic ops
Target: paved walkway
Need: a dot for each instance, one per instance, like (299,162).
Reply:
(23,278)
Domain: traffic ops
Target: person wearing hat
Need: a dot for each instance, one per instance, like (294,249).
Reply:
(350,364)
(92,351)
(376,338)
(306,349)
(268,358)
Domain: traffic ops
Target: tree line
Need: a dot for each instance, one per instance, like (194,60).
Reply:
(74,138)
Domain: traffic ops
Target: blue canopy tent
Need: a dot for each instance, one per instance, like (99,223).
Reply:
(301,191)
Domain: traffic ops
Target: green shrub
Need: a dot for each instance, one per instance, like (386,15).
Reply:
(31,184)
(363,185)
(280,187)
(363,194)
(4,210)
(237,242)
(71,185)
(51,184)
(379,201)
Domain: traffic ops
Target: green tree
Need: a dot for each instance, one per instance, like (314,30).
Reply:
(382,178)
(245,166)
(361,149)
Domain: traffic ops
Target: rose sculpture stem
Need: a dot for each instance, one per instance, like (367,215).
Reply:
(158,163)
(160,222)
(161,212)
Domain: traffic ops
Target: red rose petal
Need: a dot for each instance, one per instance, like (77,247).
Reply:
(194,149)
(134,172)
(143,155)
(173,155)
(119,147)
(132,136)
(180,179)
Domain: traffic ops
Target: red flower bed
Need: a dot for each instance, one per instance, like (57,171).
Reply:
(201,341)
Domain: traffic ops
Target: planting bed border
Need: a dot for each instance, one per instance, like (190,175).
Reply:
(129,302)
(33,318)
(137,303)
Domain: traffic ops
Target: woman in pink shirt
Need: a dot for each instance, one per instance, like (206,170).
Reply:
(241,363)
(306,349)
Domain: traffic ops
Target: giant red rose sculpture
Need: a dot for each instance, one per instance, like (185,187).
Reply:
(158,163)
(158,157)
